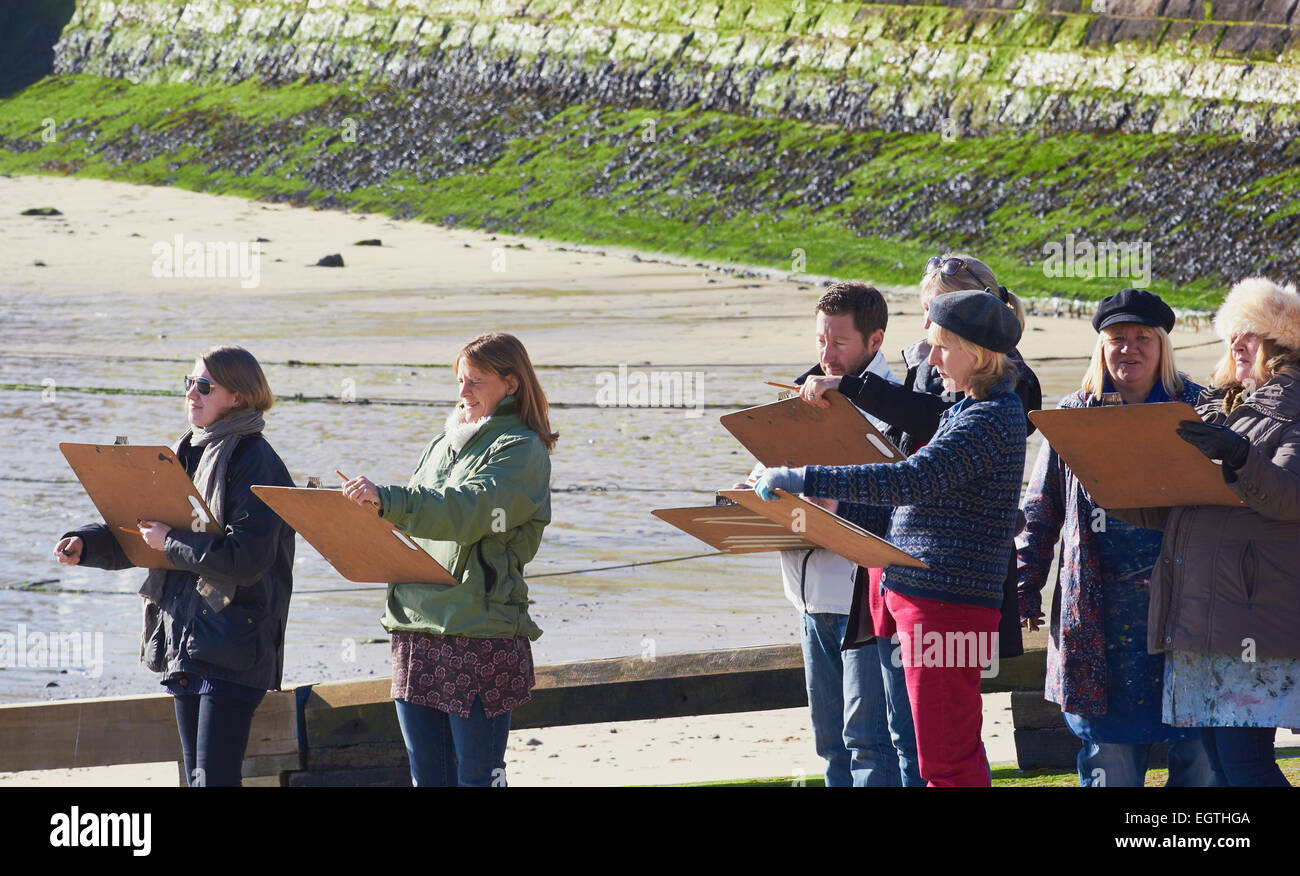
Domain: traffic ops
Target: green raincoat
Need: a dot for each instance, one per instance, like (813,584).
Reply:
(480,513)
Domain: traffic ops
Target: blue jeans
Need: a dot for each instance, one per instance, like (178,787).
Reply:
(899,709)
(214,735)
(846,698)
(1123,765)
(1244,756)
(447,751)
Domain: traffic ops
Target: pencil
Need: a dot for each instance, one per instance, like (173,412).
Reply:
(132,531)
(780,385)
(342,475)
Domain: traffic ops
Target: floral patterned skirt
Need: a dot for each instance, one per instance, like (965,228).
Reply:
(448,672)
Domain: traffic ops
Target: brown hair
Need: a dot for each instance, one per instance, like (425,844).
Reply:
(870,312)
(237,370)
(1270,359)
(504,356)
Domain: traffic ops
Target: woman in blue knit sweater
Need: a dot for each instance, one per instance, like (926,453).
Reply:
(955,507)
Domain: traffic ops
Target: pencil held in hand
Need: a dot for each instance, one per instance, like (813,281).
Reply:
(362,488)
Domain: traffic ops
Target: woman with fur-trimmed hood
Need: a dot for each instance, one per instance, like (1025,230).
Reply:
(1225,596)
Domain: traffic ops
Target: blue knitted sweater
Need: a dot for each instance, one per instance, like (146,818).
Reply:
(956,500)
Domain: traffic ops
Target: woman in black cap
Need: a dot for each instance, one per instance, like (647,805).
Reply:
(1098,668)
(913,409)
(955,507)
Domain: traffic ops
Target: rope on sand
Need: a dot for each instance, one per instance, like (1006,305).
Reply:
(340,400)
(39,586)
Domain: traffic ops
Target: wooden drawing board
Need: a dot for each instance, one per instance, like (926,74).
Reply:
(792,432)
(1130,456)
(129,483)
(826,530)
(733,529)
(357,542)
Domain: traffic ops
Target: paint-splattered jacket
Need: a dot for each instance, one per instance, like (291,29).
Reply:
(1056,506)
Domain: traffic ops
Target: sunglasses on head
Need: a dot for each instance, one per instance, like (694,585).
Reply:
(205,385)
(947,267)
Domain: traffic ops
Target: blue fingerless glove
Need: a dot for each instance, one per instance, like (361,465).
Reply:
(788,479)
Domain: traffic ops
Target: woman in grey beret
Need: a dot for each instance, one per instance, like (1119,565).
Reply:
(955,504)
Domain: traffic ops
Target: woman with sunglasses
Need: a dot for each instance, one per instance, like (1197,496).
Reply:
(478,502)
(214,625)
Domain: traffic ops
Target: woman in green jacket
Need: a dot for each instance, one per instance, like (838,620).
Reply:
(477,503)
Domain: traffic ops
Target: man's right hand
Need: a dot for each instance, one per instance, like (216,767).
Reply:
(68,551)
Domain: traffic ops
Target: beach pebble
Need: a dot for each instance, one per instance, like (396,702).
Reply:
(334,260)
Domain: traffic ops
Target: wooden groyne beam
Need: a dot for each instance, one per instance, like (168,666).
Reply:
(346,732)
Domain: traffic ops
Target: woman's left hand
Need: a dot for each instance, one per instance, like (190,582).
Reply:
(363,492)
(788,479)
(1216,442)
(154,533)
(815,387)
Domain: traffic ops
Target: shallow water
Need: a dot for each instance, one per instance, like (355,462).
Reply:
(611,467)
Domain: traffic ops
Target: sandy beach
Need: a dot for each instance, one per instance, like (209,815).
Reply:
(415,299)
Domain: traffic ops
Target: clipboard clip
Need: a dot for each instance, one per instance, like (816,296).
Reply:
(120,441)
(313,483)
(1109,399)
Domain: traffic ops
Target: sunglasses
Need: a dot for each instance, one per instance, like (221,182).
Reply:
(947,267)
(205,385)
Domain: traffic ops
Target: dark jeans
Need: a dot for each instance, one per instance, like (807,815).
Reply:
(1243,756)
(446,751)
(214,734)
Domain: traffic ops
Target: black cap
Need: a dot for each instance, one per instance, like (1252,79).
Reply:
(978,316)
(1133,305)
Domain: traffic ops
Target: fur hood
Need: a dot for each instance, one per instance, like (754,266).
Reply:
(1259,305)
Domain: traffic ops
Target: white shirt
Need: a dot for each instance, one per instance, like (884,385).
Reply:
(819,581)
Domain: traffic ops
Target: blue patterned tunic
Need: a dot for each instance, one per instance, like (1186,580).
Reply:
(955,500)
(1097,662)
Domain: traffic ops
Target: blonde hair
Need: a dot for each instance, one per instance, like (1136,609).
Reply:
(1270,358)
(976,275)
(1094,379)
(504,356)
(990,367)
(238,371)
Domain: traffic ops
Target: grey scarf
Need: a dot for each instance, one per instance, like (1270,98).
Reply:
(220,438)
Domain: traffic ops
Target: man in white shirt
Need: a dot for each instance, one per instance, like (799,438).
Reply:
(847,689)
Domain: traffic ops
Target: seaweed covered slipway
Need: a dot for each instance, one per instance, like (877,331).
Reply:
(1041,131)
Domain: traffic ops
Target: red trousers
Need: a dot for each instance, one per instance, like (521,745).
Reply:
(940,664)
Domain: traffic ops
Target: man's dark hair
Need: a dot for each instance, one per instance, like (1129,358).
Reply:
(870,312)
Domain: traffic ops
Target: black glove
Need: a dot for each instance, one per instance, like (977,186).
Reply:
(1216,442)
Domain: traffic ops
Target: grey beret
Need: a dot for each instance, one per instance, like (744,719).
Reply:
(978,316)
